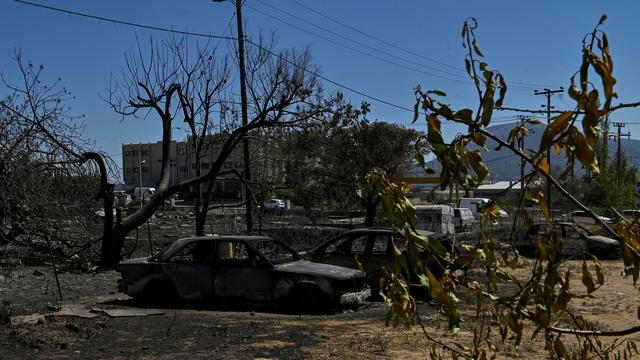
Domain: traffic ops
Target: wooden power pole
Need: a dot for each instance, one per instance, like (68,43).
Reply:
(247,197)
(618,135)
(548,93)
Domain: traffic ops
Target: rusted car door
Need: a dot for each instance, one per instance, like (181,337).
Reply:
(240,274)
(190,270)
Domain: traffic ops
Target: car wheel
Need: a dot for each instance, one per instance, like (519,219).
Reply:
(159,293)
(307,298)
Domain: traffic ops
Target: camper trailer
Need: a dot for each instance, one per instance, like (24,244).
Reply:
(436,218)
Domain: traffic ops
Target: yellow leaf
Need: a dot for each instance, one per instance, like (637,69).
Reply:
(544,166)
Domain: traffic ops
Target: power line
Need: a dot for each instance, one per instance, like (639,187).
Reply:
(123,22)
(461,78)
(524,84)
(373,37)
(465,76)
(189,33)
(358,50)
(157,28)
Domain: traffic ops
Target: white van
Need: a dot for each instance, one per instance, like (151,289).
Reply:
(473,204)
(147,192)
(436,218)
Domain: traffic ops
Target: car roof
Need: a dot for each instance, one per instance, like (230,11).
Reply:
(245,238)
(169,250)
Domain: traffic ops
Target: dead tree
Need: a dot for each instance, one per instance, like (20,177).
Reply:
(284,93)
(42,156)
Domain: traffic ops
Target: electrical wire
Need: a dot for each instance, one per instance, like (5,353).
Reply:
(157,28)
(461,74)
(359,51)
(461,78)
(196,34)
(524,84)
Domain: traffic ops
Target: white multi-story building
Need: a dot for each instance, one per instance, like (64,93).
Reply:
(146,159)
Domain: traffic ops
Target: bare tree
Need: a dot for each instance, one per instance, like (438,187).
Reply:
(45,190)
(284,93)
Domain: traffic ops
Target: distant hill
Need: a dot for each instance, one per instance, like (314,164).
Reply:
(504,165)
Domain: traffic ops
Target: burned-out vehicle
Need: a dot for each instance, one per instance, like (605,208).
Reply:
(372,247)
(240,268)
(576,241)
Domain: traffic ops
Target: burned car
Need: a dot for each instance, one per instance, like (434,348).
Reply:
(576,241)
(240,268)
(373,249)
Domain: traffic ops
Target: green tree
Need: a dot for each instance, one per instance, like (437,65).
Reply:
(333,158)
(603,190)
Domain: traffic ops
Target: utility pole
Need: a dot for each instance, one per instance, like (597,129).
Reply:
(140,174)
(522,118)
(248,199)
(548,93)
(618,135)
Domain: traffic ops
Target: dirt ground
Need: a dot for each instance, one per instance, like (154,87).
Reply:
(247,331)
(244,331)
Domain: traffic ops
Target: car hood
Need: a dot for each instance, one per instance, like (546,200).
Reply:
(604,240)
(128,263)
(318,269)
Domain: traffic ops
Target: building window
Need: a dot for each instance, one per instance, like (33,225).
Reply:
(183,168)
(127,153)
(145,170)
(205,165)
(145,152)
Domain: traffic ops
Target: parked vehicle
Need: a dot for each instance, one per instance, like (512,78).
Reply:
(475,205)
(582,217)
(576,241)
(630,214)
(145,192)
(240,268)
(462,218)
(372,247)
(472,204)
(274,204)
(436,218)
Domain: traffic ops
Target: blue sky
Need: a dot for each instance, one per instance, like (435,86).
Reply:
(534,44)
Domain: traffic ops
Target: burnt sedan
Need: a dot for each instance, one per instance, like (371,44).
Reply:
(372,247)
(576,241)
(240,268)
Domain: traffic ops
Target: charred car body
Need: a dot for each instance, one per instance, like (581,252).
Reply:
(240,268)
(373,249)
(576,241)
